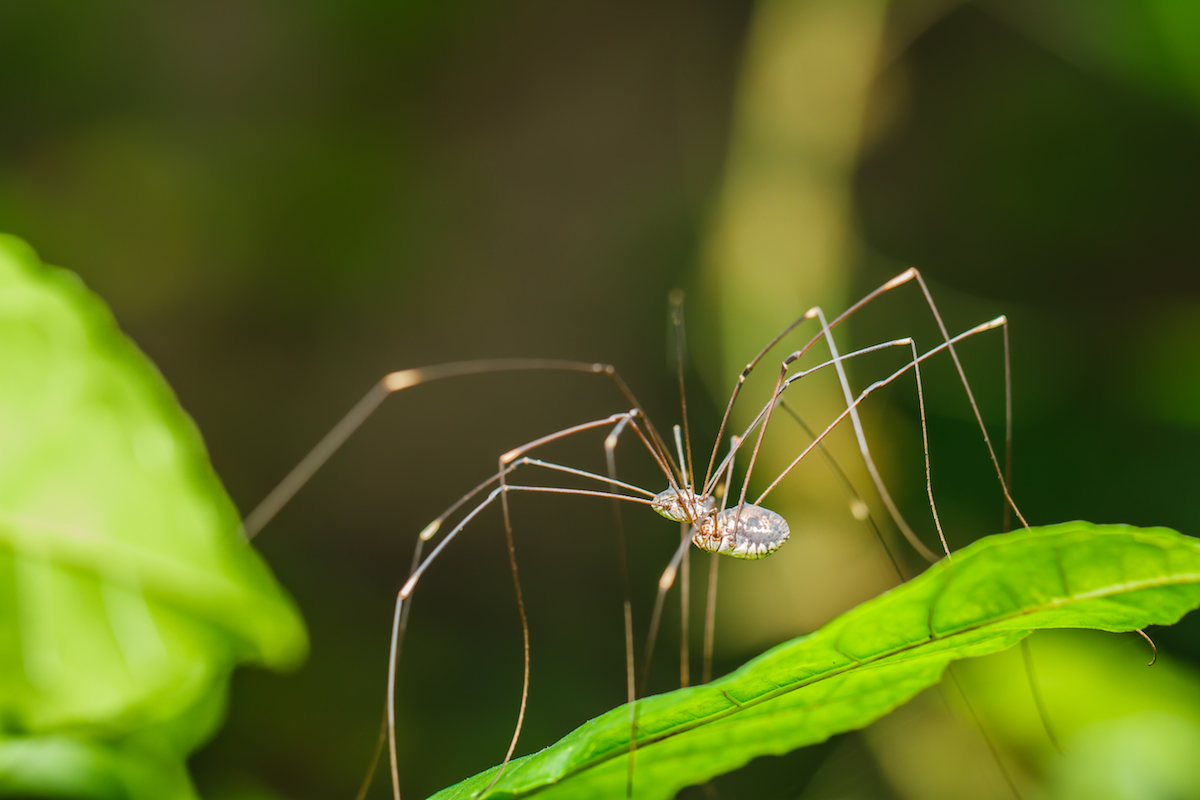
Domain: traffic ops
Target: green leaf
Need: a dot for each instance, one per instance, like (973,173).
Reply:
(62,766)
(871,659)
(127,591)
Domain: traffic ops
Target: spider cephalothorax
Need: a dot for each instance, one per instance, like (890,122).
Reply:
(682,505)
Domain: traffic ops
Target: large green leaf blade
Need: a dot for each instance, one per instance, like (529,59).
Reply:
(127,591)
(871,659)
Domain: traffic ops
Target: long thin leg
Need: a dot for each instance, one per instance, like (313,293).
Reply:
(971,395)
(991,745)
(394,648)
(610,459)
(899,280)
(937,520)
(986,326)
(795,376)
(430,530)
(503,462)
(727,468)
(710,605)
(508,461)
(1038,702)
(924,440)
(1008,429)
(851,410)
(685,583)
(667,580)
(676,300)
(710,618)
(856,423)
(851,407)
(512,561)
(369,778)
(393,382)
(685,601)
(858,507)
(1026,649)
(393,656)
(764,415)
(388,723)
(664,585)
(409,585)
(610,443)
(685,457)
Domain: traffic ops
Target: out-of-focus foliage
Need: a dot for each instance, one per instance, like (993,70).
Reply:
(1132,746)
(994,593)
(129,593)
(1153,45)
(1123,727)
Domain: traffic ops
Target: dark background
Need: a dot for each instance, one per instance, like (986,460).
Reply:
(283,201)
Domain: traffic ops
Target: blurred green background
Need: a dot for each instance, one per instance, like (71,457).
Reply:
(283,201)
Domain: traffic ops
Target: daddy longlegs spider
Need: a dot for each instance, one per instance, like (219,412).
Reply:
(745,529)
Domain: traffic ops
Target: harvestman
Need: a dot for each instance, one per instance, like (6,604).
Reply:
(746,530)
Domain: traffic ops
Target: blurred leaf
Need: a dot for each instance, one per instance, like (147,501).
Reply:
(1127,731)
(62,766)
(873,658)
(127,592)
(1139,757)
(1073,669)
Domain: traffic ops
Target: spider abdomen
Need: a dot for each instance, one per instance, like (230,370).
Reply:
(751,533)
